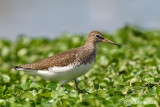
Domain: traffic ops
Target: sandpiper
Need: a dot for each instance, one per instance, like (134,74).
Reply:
(68,65)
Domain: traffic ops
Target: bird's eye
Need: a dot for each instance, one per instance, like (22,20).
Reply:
(97,36)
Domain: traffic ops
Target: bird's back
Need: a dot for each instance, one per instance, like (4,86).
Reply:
(74,56)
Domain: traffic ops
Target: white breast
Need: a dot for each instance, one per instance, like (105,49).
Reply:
(64,74)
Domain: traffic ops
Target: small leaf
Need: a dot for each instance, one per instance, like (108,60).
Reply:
(67,86)
(27,95)
(158,90)
(36,85)
(54,94)
(6,78)
(149,79)
(26,84)
(52,85)
(4,87)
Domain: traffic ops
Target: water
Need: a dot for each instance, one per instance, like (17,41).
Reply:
(50,18)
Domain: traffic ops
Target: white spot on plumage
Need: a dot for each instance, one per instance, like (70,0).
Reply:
(64,74)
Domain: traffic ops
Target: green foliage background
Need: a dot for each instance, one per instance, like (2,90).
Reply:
(121,76)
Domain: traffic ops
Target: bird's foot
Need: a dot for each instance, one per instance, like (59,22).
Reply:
(82,91)
(78,89)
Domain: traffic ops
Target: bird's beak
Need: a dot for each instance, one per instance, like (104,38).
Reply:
(108,41)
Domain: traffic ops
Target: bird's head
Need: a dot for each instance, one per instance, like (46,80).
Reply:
(96,37)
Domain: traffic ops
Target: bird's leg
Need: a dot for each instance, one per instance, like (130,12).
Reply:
(61,85)
(76,83)
(79,90)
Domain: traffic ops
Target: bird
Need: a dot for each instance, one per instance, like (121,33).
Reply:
(69,65)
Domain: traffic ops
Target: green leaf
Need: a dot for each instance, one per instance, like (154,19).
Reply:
(26,84)
(119,75)
(158,90)
(6,78)
(52,85)
(149,79)
(27,95)
(35,85)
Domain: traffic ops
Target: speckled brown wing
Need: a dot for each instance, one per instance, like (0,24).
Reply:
(61,59)
(77,55)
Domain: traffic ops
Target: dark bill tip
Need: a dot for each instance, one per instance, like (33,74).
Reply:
(117,44)
(108,41)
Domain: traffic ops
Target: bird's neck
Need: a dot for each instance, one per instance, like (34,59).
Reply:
(91,45)
(89,50)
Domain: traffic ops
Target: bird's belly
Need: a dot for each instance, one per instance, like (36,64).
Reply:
(64,74)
